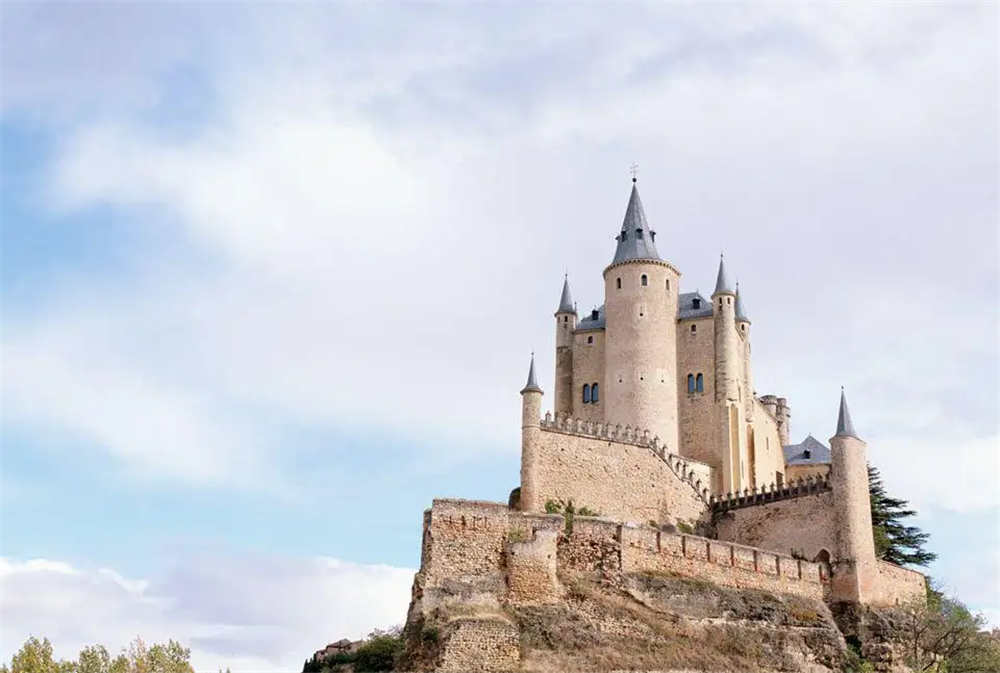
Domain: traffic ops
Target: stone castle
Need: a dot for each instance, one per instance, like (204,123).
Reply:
(656,427)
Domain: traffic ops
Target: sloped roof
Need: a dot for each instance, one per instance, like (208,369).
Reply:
(566,299)
(810,451)
(721,280)
(686,309)
(635,241)
(589,322)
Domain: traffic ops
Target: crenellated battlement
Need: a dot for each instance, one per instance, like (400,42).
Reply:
(771,493)
(692,472)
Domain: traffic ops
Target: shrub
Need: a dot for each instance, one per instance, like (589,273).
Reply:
(685,527)
(378,654)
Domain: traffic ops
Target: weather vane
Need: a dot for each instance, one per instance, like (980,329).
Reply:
(634,170)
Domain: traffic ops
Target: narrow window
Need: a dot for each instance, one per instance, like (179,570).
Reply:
(586,393)
(720,302)
(729,300)
(668,285)
(623,235)
(594,399)
(565,318)
(690,383)
(590,339)
(695,303)
(618,281)
(644,280)
(699,383)
(694,328)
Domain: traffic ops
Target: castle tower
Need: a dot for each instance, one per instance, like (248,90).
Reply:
(640,296)
(743,330)
(565,324)
(855,573)
(531,431)
(728,380)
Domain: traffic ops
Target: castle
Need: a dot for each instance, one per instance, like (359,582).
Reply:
(656,428)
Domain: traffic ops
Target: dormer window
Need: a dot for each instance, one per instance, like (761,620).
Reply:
(594,314)
(807,454)
(623,235)
(696,303)
(652,235)
(638,233)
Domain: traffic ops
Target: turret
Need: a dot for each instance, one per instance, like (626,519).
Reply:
(743,329)
(784,415)
(641,291)
(565,324)
(728,380)
(531,413)
(855,571)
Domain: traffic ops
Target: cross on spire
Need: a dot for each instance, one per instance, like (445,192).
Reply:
(634,170)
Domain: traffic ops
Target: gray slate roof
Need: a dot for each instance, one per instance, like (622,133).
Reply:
(636,238)
(741,315)
(588,321)
(532,384)
(566,300)
(810,451)
(721,281)
(845,428)
(686,309)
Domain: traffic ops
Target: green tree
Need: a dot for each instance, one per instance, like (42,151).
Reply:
(942,636)
(35,656)
(894,540)
(94,659)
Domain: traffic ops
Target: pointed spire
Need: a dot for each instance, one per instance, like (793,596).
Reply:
(721,282)
(532,384)
(741,315)
(566,304)
(845,428)
(635,241)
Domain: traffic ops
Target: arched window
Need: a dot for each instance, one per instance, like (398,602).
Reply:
(618,281)
(690,383)
(644,280)
(586,393)
(699,383)
(594,398)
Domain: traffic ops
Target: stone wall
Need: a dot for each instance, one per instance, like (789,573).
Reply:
(898,585)
(793,472)
(480,644)
(699,425)
(619,479)
(531,566)
(768,458)
(588,367)
(802,526)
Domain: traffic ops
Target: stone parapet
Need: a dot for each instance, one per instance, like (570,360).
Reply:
(772,493)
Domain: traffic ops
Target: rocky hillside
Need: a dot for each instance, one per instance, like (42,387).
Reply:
(639,622)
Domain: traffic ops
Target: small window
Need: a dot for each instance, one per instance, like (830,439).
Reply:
(594,314)
(695,303)
(638,233)
(565,318)
(652,235)
(729,300)
(586,393)
(590,339)
(644,280)
(743,327)
(694,328)
(690,383)
(807,454)
(720,302)
(699,383)
(594,397)
(623,235)
(618,281)
(668,285)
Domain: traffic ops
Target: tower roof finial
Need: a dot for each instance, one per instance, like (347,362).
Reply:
(845,427)
(532,384)
(721,281)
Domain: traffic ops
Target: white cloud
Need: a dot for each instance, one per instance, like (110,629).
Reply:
(247,613)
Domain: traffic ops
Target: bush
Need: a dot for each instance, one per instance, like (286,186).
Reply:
(378,654)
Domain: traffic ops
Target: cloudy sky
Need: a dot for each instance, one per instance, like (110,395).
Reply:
(271,276)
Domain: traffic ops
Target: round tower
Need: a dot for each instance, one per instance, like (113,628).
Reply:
(565,325)
(640,296)
(728,382)
(855,571)
(531,431)
(743,331)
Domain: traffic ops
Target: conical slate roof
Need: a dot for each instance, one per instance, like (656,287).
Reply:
(721,282)
(532,384)
(845,428)
(741,315)
(636,238)
(566,300)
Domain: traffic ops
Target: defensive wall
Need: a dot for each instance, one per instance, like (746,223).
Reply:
(622,473)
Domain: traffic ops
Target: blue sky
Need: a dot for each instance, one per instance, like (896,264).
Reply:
(270,276)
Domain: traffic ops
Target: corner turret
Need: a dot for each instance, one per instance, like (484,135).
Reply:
(855,572)
(531,429)
(565,326)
